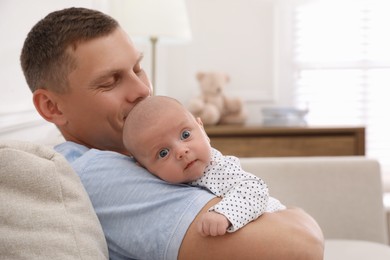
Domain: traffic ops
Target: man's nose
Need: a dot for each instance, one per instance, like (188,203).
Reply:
(137,88)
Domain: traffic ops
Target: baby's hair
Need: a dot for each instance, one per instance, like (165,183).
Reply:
(143,113)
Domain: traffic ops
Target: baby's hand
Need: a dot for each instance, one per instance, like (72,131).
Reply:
(213,224)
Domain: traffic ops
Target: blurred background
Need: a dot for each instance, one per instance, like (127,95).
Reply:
(331,58)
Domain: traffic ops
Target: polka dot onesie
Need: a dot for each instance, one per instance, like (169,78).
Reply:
(244,196)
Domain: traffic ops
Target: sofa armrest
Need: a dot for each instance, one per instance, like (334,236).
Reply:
(45,211)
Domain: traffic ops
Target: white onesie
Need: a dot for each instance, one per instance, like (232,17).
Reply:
(244,196)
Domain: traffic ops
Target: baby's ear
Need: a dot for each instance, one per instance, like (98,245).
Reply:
(199,121)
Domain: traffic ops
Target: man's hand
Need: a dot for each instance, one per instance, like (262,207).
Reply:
(213,224)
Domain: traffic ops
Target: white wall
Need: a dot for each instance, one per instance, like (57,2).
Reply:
(234,36)
(238,37)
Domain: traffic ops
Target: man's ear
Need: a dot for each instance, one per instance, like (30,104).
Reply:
(45,103)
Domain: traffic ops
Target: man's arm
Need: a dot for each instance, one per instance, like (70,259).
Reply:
(285,235)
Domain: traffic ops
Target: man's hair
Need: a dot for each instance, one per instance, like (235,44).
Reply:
(45,59)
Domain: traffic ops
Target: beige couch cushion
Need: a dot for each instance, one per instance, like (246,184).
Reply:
(45,211)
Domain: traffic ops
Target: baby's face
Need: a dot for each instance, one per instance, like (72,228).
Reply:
(175,148)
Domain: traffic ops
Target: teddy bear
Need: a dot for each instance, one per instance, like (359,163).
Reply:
(213,106)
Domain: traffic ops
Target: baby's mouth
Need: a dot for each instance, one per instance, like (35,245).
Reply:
(190,164)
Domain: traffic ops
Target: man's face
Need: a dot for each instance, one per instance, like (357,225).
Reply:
(107,82)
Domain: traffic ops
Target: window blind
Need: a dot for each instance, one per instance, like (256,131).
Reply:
(341,64)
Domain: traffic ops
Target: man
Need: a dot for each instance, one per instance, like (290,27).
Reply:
(86,75)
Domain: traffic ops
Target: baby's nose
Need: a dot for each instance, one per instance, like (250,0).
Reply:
(181,153)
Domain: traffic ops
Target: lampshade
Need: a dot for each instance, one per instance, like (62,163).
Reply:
(166,20)
(157,20)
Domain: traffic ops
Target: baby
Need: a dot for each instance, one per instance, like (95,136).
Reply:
(165,138)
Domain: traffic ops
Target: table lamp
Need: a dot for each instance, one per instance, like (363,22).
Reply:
(157,20)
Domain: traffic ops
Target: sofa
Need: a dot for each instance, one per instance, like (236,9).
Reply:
(46,213)
(343,194)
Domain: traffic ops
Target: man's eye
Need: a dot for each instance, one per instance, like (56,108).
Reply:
(107,84)
(164,152)
(185,134)
(111,83)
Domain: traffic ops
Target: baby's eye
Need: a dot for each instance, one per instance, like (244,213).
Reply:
(185,134)
(164,152)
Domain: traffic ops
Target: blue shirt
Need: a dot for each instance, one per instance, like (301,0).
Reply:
(142,216)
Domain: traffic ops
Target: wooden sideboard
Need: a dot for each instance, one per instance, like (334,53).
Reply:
(257,141)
